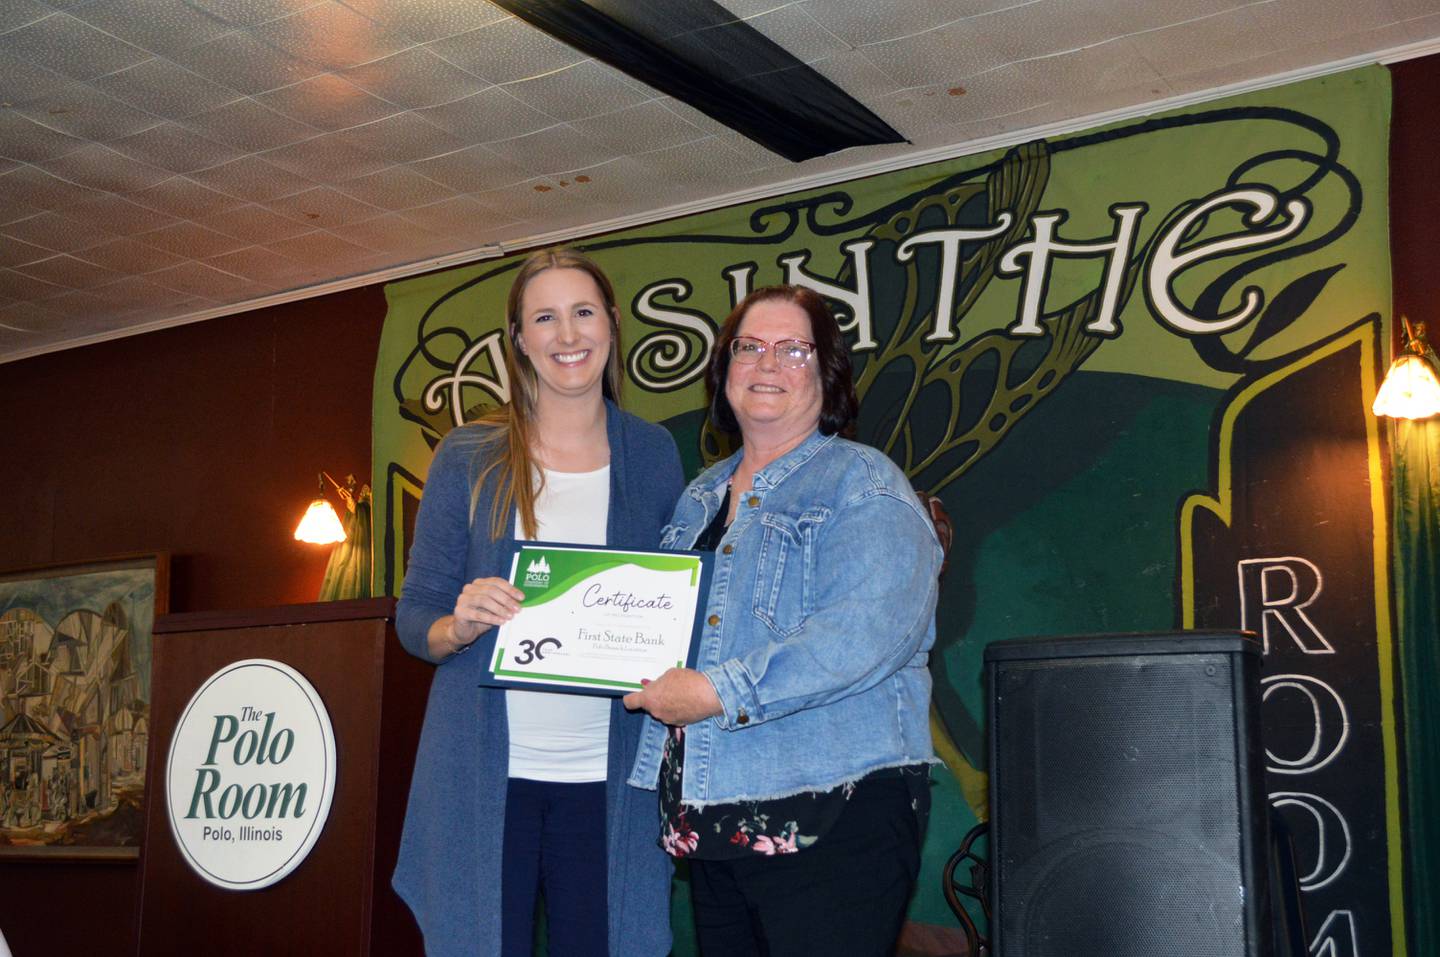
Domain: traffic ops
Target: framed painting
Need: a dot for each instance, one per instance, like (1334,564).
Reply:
(75,704)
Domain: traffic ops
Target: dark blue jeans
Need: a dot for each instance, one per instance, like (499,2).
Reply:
(555,845)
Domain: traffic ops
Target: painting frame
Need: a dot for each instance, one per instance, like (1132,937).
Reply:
(75,655)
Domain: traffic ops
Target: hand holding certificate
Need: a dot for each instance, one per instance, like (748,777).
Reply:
(598,620)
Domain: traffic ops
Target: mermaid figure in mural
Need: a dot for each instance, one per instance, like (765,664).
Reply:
(521,793)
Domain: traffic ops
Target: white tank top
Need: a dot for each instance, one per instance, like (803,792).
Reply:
(563,737)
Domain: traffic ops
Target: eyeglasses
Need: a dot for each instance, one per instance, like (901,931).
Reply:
(790,353)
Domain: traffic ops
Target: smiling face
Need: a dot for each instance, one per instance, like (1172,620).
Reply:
(772,404)
(565,333)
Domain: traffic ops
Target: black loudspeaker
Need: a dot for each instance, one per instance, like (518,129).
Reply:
(1127,804)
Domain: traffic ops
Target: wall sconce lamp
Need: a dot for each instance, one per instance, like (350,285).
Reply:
(1411,389)
(321,526)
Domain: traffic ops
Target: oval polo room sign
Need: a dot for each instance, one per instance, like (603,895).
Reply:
(250,775)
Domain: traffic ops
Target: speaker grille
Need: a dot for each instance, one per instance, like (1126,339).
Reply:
(1117,806)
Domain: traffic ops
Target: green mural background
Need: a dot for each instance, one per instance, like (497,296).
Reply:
(1062,434)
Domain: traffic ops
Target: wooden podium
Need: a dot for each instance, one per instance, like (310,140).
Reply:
(339,900)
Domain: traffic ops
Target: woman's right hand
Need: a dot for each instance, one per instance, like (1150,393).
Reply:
(481,605)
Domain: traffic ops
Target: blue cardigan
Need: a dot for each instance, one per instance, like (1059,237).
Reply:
(450,850)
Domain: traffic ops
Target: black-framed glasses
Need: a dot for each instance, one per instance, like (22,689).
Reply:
(790,353)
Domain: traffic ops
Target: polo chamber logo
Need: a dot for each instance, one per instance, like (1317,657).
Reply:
(537,573)
(250,775)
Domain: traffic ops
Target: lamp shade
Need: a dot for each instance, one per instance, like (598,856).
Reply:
(320,526)
(1410,390)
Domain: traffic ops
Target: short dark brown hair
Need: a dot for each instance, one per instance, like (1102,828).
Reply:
(838,406)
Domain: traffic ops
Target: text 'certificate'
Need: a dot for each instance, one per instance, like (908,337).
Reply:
(598,620)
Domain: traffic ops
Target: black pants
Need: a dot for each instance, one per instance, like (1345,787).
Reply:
(555,844)
(845,895)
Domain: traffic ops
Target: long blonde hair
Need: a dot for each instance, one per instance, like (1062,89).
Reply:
(513,423)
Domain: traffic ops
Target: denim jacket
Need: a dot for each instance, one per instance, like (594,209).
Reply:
(817,629)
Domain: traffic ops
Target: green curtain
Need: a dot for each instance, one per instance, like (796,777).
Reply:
(1417,545)
(347,575)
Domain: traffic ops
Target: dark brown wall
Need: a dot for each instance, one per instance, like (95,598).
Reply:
(1415,190)
(204,441)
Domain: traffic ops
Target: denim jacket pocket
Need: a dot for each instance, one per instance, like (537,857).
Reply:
(785,569)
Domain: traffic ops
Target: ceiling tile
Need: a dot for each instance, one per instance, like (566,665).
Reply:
(941,56)
(426,20)
(184,198)
(165,89)
(471,170)
(128,256)
(249,13)
(535,199)
(584,89)
(56,231)
(35,187)
(13,252)
(1231,37)
(132,292)
(332,36)
(793,29)
(398,187)
(25,80)
(254,224)
(863,23)
(402,138)
(190,240)
(26,141)
(245,63)
(99,167)
(491,114)
(247,125)
(507,50)
(854,73)
(320,248)
(16,13)
(69,272)
(198,279)
(252,178)
(325,158)
(106,210)
(70,47)
(414,79)
(81,110)
(395,233)
(86,314)
(327,102)
(651,123)
(159,26)
(558,149)
(323,207)
(173,147)
(26,288)
(256,262)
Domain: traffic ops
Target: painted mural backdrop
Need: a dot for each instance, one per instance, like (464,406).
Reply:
(1135,364)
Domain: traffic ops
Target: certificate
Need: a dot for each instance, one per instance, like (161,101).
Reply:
(598,620)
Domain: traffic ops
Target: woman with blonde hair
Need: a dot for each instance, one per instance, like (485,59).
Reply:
(516,793)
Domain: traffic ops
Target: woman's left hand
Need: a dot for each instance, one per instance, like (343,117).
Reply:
(679,697)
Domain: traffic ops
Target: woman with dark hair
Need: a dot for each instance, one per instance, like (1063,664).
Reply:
(517,793)
(793,764)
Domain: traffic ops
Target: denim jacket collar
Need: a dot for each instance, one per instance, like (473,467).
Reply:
(710,486)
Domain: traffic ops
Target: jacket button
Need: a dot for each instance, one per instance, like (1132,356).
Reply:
(728,549)
(713,619)
(742,717)
(753,501)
